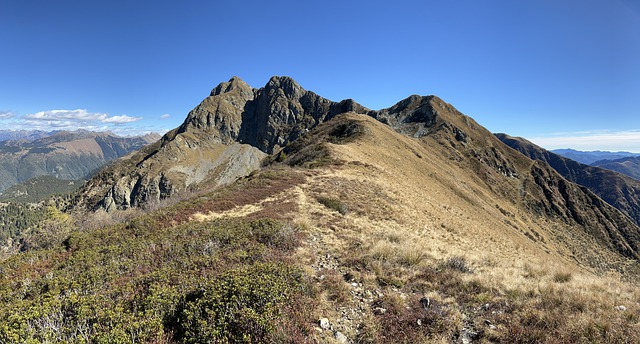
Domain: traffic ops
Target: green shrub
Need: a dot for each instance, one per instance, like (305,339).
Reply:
(240,306)
(334,204)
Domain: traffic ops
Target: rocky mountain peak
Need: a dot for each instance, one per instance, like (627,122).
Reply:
(266,118)
(417,115)
(234,84)
(284,85)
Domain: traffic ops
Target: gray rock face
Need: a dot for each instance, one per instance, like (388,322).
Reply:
(206,146)
(267,118)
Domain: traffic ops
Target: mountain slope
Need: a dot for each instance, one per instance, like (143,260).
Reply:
(616,189)
(38,189)
(64,155)
(629,166)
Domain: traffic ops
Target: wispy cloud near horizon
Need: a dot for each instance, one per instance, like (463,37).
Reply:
(7,114)
(604,140)
(72,120)
(80,116)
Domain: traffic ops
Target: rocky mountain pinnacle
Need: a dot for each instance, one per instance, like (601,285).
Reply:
(223,138)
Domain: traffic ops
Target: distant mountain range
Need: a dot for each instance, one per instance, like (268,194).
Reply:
(61,154)
(624,162)
(27,135)
(619,190)
(589,157)
(629,166)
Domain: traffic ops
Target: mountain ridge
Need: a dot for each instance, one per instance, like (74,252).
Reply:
(589,157)
(619,190)
(71,155)
(281,114)
(629,166)
(254,122)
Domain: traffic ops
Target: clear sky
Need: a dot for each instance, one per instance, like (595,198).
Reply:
(562,73)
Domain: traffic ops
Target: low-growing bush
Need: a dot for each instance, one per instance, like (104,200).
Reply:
(458,263)
(334,204)
(240,306)
(562,277)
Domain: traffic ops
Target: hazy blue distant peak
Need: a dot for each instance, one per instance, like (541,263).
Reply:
(589,157)
(28,135)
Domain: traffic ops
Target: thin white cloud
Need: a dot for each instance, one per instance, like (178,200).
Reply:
(628,140)
(121,119)
(165,116)
(72,120)
(136,131)
(7,114)
(79,115)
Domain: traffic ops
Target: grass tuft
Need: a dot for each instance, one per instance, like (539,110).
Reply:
(458,263)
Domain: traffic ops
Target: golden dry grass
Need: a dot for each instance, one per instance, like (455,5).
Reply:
(419,227)
(411,213)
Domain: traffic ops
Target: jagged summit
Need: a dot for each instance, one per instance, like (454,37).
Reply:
(235,83)
(286,85)
(232,129)
(267,118)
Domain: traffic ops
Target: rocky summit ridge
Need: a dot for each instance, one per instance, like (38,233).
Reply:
(227,135)
(267,118)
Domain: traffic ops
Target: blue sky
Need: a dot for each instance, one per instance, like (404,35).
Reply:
(562,73)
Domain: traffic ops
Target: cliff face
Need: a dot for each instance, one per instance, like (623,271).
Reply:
(267,118)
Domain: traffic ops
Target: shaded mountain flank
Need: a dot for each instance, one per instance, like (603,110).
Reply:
(629,166)
(232,130)
(621,191)
(64,155)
